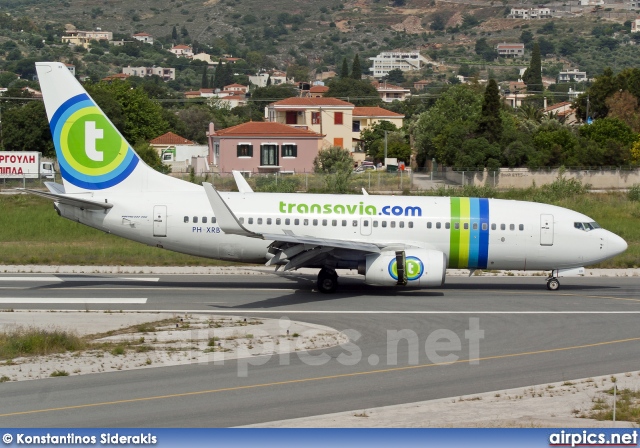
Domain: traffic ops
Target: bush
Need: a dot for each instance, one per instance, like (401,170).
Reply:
(634,193)
(33,341)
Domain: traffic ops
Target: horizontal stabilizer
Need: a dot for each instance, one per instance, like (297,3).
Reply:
(69,200)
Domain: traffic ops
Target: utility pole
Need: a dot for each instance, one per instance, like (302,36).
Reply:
(385,148)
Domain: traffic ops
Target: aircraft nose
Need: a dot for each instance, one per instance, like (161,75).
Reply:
(616,245)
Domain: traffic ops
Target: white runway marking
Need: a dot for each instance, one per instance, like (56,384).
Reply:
(79,279)
(72,300)
(240,311)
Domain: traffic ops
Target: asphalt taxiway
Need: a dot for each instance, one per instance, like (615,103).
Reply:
(406,346)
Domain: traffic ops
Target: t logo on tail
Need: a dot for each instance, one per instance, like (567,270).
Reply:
(91,134)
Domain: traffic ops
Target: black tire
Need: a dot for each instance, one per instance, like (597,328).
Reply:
(327,282)
(553,284)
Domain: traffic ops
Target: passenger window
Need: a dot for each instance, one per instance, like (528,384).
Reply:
(268,221)
(315,222)
(375,223)
(401,224)
(447,225)
(334,222)
(484,226)
(393,224)
(521,227)
(186,219)
(204,220)
(305,222)
(466,226)
(250,220)
(456,225)
(411,224)
(512,227)
(438,225)
(296,222)
(493,226)
(287,221)
(503,227)
(355,223)
(365,223)
(241,220)
(213,220)
(475,226)
(324,222)
(384,223)
(344,223)
(195,220)
(429,225)
(259,220)
(278,221)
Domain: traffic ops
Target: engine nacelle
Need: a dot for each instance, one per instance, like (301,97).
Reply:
(423,267)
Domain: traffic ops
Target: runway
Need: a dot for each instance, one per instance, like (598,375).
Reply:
(474,335)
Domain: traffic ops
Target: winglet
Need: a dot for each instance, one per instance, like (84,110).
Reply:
(241,182)
(364,192)
(227,221)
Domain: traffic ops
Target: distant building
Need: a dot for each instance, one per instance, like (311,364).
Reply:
(510,50)
(635,25)
(82,38)
(236,88)
(277,77)
(202,93)
(72,68)
(421,85)
(167,74)
(318,91)
(530,13)
(572,76)
(392,60)
(184,51)
(389,93)
(117,76)
(205,57)
(144,37)
(563,111)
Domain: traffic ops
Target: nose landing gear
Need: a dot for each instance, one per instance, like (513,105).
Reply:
(553,284)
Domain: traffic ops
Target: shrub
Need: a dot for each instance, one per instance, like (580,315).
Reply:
(634,193)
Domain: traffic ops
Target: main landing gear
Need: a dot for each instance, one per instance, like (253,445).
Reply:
(327,281)
(553,284)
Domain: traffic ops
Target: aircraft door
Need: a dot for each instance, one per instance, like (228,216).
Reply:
(160,220)
(546,230)
(365,226)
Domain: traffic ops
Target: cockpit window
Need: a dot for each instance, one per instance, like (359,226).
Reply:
(586,226)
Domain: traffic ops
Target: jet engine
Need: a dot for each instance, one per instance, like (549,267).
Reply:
(414,267)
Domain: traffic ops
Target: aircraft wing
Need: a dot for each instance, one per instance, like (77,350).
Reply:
(70,200)
(296,250)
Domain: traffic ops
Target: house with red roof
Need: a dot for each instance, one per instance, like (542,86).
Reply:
(390,93)
(265,147)
(318,91)
(329,117)
(184,51)
(144,37)
(366,117)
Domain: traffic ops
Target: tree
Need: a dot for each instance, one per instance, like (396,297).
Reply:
(485,50)
(298,72)
(356,70)
(490,123)
(196,120)
(344,73)
(174,34)
(438,22)
(526,37)
(546,46)
(218,79)
(396,76)
(26,128)
(624,106)
(614,139)
(205,80)
(371,135)
(358,92)
(533,75)
(150,156)
(337,165)
(604,86)
(397,146)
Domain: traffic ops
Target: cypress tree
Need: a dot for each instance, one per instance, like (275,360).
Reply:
(205,79)
(228,75)
(490,123)
(174,34)
(344,73)
(356,70)
(218,76)
(532,76)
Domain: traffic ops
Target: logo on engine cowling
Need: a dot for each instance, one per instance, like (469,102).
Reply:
(415,268)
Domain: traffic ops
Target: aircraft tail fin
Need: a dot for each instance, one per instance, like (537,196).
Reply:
(91,152)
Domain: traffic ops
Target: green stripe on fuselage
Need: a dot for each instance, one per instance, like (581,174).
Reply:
(465,218)
(454,235)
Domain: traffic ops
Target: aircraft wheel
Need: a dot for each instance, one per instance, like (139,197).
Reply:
(553,284)
(327,281)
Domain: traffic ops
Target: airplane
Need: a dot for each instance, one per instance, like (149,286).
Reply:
(392,240)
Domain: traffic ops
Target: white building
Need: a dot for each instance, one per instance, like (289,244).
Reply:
(509,50)
(530,13)
(635,25)
(144,37)
(82,38)
(167,74)
(391,60)
(277,77)
(182,51)
(572,76)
